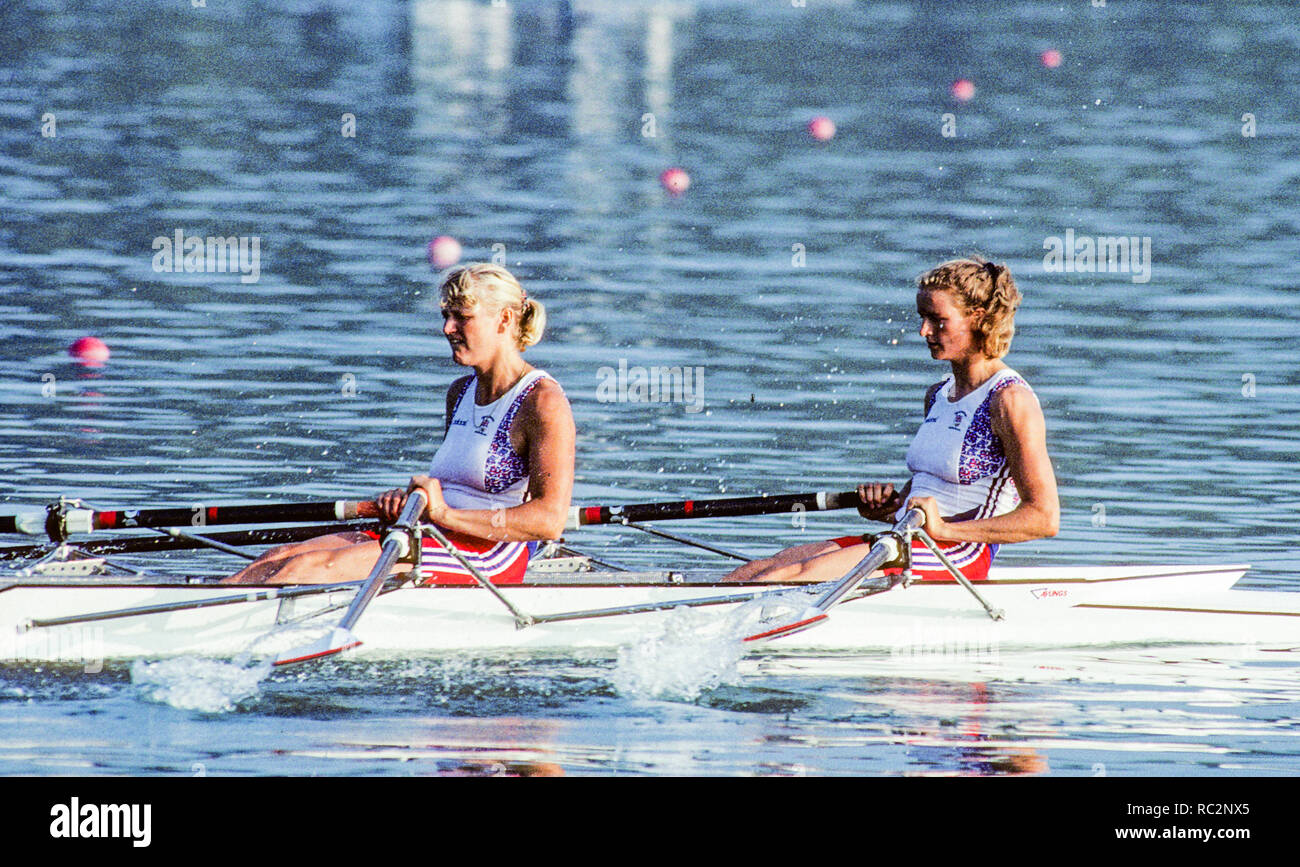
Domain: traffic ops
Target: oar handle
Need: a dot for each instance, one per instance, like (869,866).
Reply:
(582,516)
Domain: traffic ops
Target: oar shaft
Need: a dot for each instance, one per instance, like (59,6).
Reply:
(27,523)
(581,516)
(166,542)
(259,513)
(396,544)
(59,522)
(208,602)
(883,550)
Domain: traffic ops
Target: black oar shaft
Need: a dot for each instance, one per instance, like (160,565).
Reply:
(66,518)
(722,508)
(204,516)
(151,544)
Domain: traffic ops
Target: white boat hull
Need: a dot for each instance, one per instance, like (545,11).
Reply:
(1047,607)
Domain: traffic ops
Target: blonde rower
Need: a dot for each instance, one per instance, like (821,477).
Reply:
(501,480)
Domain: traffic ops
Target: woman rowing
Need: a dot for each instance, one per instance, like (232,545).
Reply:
(979,462)
(502,478)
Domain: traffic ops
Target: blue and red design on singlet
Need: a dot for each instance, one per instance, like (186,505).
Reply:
(958,459)
(478,468)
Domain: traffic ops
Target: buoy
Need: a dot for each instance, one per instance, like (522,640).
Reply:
(444,251)
(821,128)
(89,350)
(675,181)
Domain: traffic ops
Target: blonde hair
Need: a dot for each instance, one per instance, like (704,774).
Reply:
(494,287)
(976,282)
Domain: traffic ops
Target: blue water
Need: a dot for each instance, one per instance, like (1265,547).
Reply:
(785,272)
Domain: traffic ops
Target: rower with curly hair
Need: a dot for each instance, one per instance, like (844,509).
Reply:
(979,464)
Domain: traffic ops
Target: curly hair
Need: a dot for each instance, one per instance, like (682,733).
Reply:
(976,283)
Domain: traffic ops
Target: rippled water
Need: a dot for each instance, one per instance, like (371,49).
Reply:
(521,130)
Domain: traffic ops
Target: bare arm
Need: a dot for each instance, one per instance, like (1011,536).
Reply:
(545,432)
(1017,420)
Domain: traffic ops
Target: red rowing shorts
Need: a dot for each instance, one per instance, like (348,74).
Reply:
(973,559)
(498,562)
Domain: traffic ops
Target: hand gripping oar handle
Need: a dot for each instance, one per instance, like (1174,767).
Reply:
(397,544)
(887,546)
(581,516)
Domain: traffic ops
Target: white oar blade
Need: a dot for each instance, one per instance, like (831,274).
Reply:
(336,641)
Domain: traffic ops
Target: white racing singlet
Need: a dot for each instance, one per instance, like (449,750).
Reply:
(958,459)
(479,469)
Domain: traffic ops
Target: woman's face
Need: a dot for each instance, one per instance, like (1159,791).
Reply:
(948,330)
(475,334)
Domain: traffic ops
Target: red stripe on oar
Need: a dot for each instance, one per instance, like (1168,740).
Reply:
(106,520)
(592,514)
(330,652)
(787,629)
(689,506)
(212,513)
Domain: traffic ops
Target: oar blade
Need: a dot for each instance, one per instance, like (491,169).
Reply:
(812,617)
(340,638)
(835,592)
(335,641)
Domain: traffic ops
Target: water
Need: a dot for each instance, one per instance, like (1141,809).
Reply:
(785,273)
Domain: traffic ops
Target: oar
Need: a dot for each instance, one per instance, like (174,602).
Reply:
(58,522)
(887,547)
(167,542)
(396,545)
(186,605)
(730,507)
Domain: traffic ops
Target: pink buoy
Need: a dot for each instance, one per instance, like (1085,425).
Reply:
(1051,58)
(821,128)
(444,251)
(675,181)
(963,89)
(89,350)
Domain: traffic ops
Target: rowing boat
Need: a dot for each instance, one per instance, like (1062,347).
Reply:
(1044,607)
(571,601)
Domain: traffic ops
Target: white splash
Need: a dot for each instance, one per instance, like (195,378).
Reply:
(214,685)
(698,649)
(195,683)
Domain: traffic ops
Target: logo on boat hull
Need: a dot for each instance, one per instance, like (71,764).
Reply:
(1050,593)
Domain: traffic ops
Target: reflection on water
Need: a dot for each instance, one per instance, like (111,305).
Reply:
(1124,713)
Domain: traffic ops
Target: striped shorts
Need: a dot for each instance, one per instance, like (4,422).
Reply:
(972,559)
(499,562)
